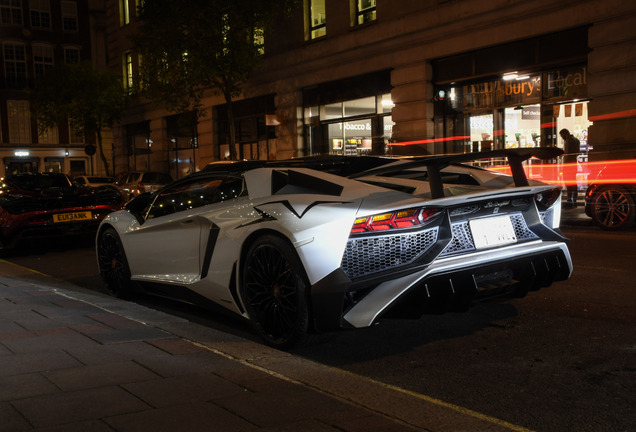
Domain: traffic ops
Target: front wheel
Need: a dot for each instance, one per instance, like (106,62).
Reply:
(274,289)
(113,265)
(612,208)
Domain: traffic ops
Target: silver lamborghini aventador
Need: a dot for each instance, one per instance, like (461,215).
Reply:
(319,244)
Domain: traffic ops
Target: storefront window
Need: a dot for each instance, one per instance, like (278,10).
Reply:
(353,127)
(332,111)
(359,107)
(523,126)
(54,165)
(387,104)
(517,110)
(388,129)
(350,138)
(139,146)
(481,132)
(255,124)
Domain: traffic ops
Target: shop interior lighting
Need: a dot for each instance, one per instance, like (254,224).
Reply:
(510,76)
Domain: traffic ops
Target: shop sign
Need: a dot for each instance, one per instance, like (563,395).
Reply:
(566,83)
(502,93)
(531,113)
(357,126)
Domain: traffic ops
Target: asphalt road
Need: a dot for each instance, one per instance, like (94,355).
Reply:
(563,358)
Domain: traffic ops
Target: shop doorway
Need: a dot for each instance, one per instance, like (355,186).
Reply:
(77,167)
(20,165)
(573,116)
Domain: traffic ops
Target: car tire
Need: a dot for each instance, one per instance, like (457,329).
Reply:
(612,208)
(113,265)
(274,289)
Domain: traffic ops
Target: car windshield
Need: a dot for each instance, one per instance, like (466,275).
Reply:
(39,182)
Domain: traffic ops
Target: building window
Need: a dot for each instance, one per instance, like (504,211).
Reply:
(50,136)
(128,70)
(76,137)
(365,11)
(11,12)
(124,13)
(53,165)
(351,127)
(14,65)
(19,118)
(71,55)
(69,16)
(40,13)
(317,18)
(42,59)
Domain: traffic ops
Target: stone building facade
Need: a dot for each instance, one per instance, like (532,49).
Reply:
(36,36)
(406,77)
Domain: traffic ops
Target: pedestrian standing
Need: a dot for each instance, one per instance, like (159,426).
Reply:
(572,148)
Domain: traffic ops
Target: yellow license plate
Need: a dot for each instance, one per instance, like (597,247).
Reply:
(72,217)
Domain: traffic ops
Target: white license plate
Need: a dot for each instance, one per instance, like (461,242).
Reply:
(493,231)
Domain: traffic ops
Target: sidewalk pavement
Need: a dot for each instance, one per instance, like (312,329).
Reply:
(575,216)
(77,360)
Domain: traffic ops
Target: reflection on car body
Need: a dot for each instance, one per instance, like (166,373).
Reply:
(298,250)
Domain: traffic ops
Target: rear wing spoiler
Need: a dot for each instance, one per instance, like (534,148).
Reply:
(434,164)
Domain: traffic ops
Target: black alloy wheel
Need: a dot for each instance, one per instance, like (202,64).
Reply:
(612,208)
(113,265)
(273,289)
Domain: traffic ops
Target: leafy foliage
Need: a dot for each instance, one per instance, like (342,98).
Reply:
(188,47)
(91,100)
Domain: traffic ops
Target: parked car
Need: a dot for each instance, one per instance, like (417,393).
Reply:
(136,183)
(51,204)
(297,250)
(95,181)
(611,206)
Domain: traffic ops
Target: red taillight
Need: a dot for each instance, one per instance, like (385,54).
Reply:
(394,220)
(589,192)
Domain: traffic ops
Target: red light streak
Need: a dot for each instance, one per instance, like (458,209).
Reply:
(619,114)
(598,172)
(429,141)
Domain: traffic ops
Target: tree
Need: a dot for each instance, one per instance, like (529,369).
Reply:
(188,47)
(90,100)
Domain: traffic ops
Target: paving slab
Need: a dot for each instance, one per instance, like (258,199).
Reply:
(76,360)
